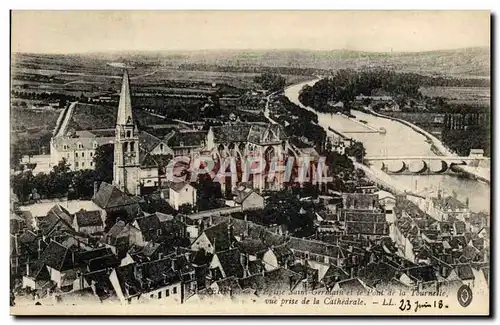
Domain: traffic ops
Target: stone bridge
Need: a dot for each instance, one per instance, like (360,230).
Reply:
(423,164)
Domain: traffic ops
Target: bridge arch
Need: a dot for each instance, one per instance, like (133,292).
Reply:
(438,166)
(396,166)
(417,167)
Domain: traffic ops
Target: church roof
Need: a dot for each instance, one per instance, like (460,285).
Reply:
(125,104)
(147,141)
(257,133)
(187,139)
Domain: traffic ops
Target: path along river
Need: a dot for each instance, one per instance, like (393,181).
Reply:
(400,140)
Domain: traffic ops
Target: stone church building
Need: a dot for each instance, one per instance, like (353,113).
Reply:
(138,154)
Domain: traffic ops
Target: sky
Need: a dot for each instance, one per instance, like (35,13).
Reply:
(374,31)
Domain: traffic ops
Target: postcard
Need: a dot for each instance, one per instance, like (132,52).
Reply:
(250,163)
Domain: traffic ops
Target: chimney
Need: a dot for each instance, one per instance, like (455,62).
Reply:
(173,264)
(96,188)
(230,230)
(39,248)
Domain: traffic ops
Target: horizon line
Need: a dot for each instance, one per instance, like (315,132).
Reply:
(250,50)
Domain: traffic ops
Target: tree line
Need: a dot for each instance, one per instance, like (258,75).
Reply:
(61,181)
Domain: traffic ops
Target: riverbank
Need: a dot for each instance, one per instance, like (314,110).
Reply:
(438,148)
(434,141)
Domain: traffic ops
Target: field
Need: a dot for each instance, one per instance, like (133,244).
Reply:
(176,84)
(465,95)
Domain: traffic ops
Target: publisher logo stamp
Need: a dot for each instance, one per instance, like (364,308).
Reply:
(464,295)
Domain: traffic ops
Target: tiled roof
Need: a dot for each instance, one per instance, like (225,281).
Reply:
(360,201)
(278,279)
(61,213)
(109,196)
(201,258)
(255,267)
(377,273)
(229,285)
(52,224)
(470,252)
(85,256)
(56,256)
(159,273)
(187,139)
(219,236)
(242,192)
(465,272)
(364,216)
(315,247)
(182,264)
(30,240)
(100,279)
(231,263)
(147,141)
(353,284)
(448,203)
(334,274)
(126,278)
(256,133)
(421,273)
(367,228)
(149,226)
(103,262)
(282,252)
(88,218)
(86,142)
(251,246)
(231,133)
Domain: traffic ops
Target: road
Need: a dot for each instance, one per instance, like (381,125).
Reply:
(61,129)
(266,109)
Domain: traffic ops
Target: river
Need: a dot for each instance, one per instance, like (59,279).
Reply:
(400,140)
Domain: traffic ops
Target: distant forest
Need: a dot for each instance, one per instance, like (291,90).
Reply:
(344,85)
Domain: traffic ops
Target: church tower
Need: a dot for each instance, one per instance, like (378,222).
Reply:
(126,164)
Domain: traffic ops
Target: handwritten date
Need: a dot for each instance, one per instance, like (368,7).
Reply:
(407,305)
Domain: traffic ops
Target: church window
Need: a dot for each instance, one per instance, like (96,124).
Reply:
(132,146)
(83,164)
(83,154)
(76,164)
(125,147)
(161,147)
(91,163)
(128,134)
(91,154)
(80,146)
(76,154)
(65,147)
(94,145)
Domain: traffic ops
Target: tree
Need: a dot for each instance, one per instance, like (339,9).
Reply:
(83,183)
(356,150)
(186,208)
(15,156)
(60,179)
(103,161)
(270,81)
(22,185)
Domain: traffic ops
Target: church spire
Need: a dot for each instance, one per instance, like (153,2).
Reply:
(125,105)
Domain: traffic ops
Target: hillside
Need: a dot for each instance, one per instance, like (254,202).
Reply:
(467,62)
